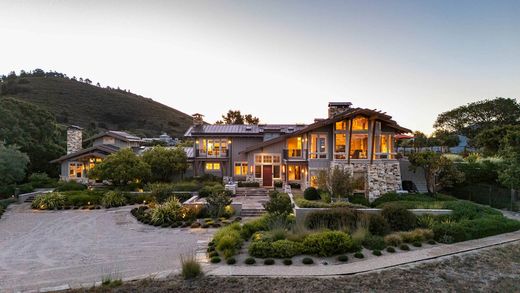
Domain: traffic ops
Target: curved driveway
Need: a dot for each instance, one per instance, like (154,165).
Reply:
(49,248)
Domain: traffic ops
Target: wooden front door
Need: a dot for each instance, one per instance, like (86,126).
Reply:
(267,175)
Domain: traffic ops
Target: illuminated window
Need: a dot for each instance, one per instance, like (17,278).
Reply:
(340,146)
(258,159)
(268,159)
(276,171)
(276,159)
(318,146)
(294,147)
(360,123)
(359,146)
(385,143)
(75,170)
(213,166)
(341,125)
(294,172)
(213,147)
(240,168)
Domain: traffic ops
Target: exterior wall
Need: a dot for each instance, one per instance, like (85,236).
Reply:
(274,149)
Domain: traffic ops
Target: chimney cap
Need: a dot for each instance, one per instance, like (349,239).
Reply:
(74,127)
(197,115)
(340,104)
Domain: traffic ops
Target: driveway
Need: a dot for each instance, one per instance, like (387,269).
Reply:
(50,248)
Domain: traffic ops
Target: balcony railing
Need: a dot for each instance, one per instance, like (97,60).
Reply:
(294,154)
(214,154)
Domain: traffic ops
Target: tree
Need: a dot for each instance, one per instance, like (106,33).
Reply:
(235,117)
(420,140)
(336,181)
(444,139)
(439,171)
(122,167)
(510,174)
(13,164)
(166,163)
(217,202)
(472,118)
(490,141)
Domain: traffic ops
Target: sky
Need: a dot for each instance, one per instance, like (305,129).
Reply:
(281,61)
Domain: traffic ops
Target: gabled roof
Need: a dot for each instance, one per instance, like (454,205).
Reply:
(122,135)
(241,130)
(349,113)
(99,150)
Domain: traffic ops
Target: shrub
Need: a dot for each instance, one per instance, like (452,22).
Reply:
(377,252)
(390,249)
(286,248)
(190,267)
(416,235)
(168,212)
(378,225)
(215,259)
(249,228)
(249,184)
(374,242)
(186,186)
(432,242)
(261,249)
(307,261)
(342,258)
(82,198)
(216,203)
(393,239)
(250,261)
(113,199)
(208,190)
(311,193)
(328,243)
(278,184)
(404,247)
(279,203)
(49,201)
(399,219)
(269,262)
(69,186)
(359,255)
(467,210)
(195,225)
(41,180)
(295,185)
(426,221)
(231,261)
(334,219)
(359,199)
(417,244)
(287,262)
(227,239)
(161,191)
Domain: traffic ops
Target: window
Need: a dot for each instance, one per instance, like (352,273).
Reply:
(360,123)
(276,171)
(258,159)
(294,147)
(294,172)
(340,146)
(268,159)
(75,170)
(213,166)
(359,146)
(258,171)
(341,125)
(386,143)
(240,168)
(213,147)
(318,146)
(276,159)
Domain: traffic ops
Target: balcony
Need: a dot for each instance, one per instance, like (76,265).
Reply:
(294,154)
(214,154)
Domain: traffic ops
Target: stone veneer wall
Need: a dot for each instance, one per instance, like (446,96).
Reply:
(74,140)
(380,177)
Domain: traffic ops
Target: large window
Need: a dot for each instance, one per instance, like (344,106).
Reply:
(240,168)
(318,146)
(360,123)
(213,147)
(76,170)
(294,147)
(359,146)
(212,166)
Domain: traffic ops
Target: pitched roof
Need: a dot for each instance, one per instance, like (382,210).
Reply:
(349,113)
(241,130)
(122,135)
(100,150)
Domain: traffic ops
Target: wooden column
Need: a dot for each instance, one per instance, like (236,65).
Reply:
(349,139)
(373,141)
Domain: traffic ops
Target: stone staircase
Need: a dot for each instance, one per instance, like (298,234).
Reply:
(256,212)
(251,191)
(416,177)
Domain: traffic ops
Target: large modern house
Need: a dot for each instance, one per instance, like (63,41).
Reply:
(361,140)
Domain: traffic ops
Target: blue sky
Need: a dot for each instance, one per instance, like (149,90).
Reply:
(279,60)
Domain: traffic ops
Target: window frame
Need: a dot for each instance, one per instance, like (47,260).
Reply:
(316,155)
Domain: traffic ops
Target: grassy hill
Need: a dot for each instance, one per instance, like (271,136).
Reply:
(96,108)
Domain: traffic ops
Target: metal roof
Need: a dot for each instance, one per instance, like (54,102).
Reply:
(242,130)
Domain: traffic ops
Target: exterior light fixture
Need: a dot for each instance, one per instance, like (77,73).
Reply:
(229,141)
(88,203)
(144,201)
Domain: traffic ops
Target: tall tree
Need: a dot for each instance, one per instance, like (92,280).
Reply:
(510,151)
(235,117)
(122,167)
(13,164)
(439,171)
(491,140)
(166,163)
(470,119)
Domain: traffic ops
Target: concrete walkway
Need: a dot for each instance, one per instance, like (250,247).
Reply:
(388,260)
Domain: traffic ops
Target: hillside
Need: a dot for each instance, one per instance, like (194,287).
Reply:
(96,108)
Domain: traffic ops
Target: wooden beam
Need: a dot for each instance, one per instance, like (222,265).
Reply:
(349,140)
(373,142)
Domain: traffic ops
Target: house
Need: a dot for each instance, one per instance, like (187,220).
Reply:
(360,140)
(78,160)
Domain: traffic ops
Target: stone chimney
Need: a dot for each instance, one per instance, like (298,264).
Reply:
(74,139)
(338,107)
(197,119)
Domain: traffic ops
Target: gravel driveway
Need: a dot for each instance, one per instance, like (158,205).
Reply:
(49,248)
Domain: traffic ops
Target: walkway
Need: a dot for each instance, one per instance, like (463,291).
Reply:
(374,263)
(41,249)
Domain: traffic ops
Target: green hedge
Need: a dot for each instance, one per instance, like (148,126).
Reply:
(414,197)
(449,232)
(328,243)
(333,219)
